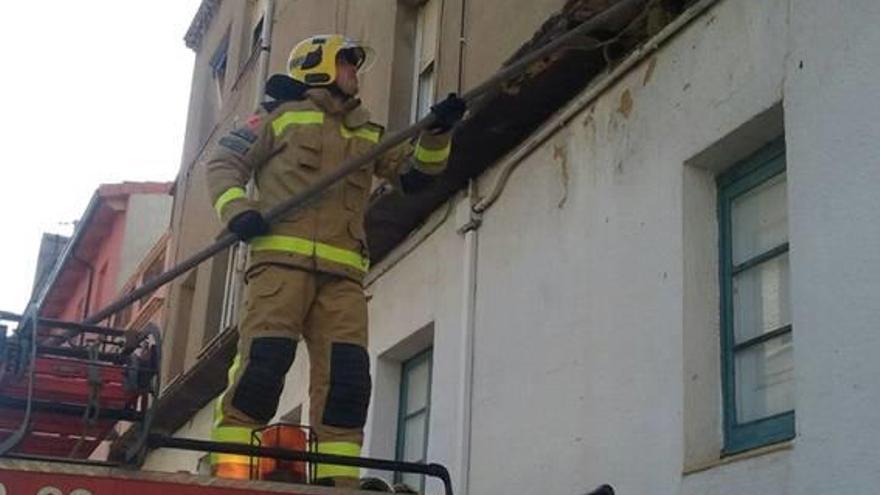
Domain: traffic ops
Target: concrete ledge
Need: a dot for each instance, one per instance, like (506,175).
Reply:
(770,449)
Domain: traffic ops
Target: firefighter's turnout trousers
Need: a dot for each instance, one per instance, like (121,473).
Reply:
(284,306)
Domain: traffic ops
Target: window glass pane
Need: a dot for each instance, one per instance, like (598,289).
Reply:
(414,439)
(257,35)
(759,220)
(428,27)
(765,379)
(417,387)
(412,480)
(761,301)
(412,432)
(425,92)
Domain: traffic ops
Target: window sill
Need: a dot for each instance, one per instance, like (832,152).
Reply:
(749,454)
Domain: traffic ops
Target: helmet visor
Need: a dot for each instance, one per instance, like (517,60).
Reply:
(361,56)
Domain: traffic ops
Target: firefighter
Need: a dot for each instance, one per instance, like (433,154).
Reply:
(305,272)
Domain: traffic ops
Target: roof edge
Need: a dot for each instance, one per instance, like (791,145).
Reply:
(36,303)
(200,24)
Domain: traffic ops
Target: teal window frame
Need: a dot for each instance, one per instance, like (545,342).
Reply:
(403,416)
(752,172)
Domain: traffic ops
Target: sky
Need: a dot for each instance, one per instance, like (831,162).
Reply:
(91,92)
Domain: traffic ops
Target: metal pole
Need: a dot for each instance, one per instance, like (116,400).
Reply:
(433,470)
(607,16)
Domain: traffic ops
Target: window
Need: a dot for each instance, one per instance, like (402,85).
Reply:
(757,360)
(178,334)
(415,408)
(153,270)
(427,31)
(211,77)
(257,36)
(123,317)
(232,286)
(218,65)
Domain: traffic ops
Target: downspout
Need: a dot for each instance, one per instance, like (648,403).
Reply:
(87,305)
(469,223)
(462,41)
(468,226)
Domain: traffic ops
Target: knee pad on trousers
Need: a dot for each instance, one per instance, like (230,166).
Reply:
(350,385)
(260,385)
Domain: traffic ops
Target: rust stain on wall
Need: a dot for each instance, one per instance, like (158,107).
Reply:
(649,72)
(560,155)
(626,103)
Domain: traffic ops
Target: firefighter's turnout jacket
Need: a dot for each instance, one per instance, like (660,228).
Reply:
(287,150)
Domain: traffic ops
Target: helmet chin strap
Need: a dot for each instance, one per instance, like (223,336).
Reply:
(336,91)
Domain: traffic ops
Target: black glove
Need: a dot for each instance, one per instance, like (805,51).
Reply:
(447,113)
(248,224)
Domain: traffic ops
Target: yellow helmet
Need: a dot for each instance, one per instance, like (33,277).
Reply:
(313,60)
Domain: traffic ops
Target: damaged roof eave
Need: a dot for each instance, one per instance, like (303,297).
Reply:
(503,120)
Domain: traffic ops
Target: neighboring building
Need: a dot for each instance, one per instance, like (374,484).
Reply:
(673,292)
(119,227)
(119,241)
(51,248)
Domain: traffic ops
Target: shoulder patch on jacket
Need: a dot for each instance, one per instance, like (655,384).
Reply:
(236,145)
(245,133)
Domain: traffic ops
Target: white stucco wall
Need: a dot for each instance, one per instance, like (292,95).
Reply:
(586,364)
(596,346)
(175,461)
(835,120)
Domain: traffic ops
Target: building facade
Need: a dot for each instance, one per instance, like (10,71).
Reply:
(667,285)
